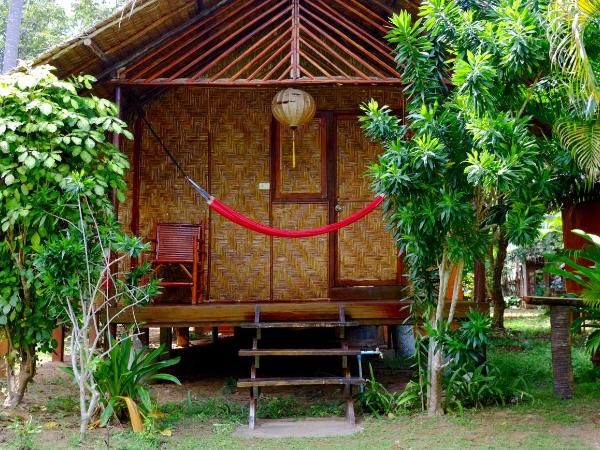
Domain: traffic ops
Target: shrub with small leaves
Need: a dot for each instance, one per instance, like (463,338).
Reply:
(48,133)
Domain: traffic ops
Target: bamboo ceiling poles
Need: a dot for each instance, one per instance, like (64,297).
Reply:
(295,70)
(274,42)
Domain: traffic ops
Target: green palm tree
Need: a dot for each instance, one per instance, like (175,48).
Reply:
(572,24)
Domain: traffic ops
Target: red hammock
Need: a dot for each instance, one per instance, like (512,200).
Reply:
(244,221)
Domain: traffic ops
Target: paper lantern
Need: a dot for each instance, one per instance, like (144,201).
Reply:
(293,107)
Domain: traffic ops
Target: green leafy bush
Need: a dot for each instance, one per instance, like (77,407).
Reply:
(377,400)
(49,132)
(512,301)
(473,381)
(122,378)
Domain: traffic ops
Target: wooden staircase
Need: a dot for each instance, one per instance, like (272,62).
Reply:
(255,383)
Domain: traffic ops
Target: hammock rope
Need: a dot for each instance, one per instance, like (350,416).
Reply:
(235,217)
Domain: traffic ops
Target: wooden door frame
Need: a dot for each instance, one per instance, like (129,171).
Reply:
(349,288)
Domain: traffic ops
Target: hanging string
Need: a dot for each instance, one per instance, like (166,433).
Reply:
(293,148)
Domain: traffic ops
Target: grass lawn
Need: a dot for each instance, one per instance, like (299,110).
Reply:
(208,422)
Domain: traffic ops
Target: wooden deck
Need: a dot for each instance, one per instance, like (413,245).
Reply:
(364,312)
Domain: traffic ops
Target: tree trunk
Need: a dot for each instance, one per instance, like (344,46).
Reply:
(560,339)
(17,381)
(434,399)
(13,34)
(435,358)
(497,267)
(479,287)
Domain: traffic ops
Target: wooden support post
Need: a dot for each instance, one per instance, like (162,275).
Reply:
(479,282)
(145,336)
(134,225)
(183,337)
(166,338)
(560,339)
(59,352)
(112,328)
(252,413)
(395,344)
(116,140)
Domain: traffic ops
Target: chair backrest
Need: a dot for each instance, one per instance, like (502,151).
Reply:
(177,241)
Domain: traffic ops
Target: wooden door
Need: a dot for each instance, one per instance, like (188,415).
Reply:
(364,252)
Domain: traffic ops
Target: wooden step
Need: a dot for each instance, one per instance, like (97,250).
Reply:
(293,381)
(309,324)
(300,352)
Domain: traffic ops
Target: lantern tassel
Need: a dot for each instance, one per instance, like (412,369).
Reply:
(294,148)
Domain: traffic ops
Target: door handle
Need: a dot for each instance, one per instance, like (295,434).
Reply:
(338,208)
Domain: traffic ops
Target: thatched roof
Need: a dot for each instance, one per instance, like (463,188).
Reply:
(144,26)
(138,24)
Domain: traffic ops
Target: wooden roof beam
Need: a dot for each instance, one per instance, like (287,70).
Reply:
(363,16)
(109,71)
(267,61)
(334,53)
(324,58)
(249,52)
(172,47)
(306,72)
(254,58)
(363,34)
(237,44)
(89,42)
(386,8)
(347,39)
(218,35)
(226,83)
(316,65)
(278,66)
(295,57)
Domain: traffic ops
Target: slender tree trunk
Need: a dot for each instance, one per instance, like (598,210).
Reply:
(17,381)
(13,34)
(435,356)
(497,267)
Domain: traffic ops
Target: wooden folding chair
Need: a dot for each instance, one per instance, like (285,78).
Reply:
(182,245)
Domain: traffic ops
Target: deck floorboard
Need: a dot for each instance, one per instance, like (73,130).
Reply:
(362,312)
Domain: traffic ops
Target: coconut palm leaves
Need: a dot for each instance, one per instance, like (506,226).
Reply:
(568,20)
(577,262)
(582,139)
(569,23)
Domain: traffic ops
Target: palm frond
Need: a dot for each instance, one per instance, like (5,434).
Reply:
(582,139)
(567,21)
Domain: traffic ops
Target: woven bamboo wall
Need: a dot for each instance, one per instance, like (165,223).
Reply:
(306,176)
(300,265)
(223,139)
(240,142)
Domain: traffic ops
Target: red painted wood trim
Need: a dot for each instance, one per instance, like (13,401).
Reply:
(320,81)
